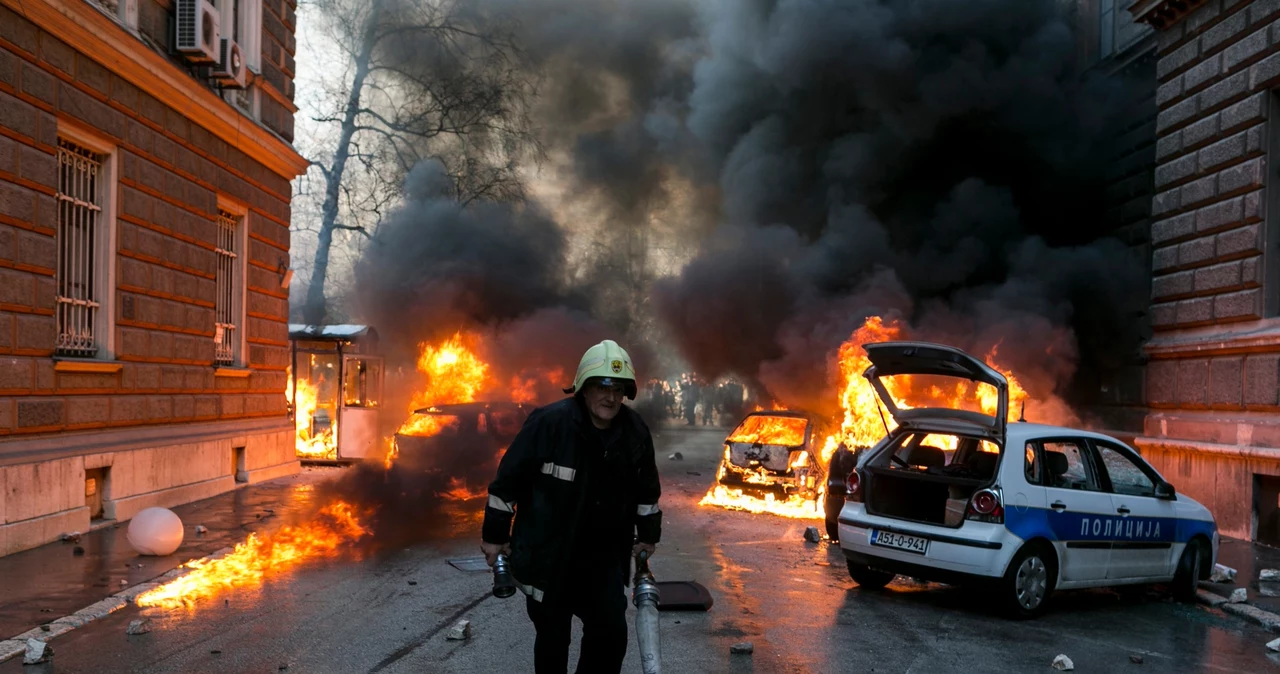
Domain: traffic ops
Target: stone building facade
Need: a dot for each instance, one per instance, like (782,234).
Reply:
(144,239)
(1213,375)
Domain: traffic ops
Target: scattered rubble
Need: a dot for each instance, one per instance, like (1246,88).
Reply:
(201,530)
(1063,664)
(460,632)
(1274,646)
(744,648)
(141,626)
(37,652)
(1222,574)
(1238,596)
(811,534)
(1269,575)
(123,582)
(45,628)
(413,582)
(78,551)
(71,537)
(676,457)
(1135,659)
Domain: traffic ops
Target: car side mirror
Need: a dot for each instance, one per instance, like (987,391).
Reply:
(1165,491)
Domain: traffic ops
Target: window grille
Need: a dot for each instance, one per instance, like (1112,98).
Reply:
(226,328)
(79,212)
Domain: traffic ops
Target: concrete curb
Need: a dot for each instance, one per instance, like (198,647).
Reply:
(1266,619)
(17,645)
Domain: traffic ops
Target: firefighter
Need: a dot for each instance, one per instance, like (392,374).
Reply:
(581,483)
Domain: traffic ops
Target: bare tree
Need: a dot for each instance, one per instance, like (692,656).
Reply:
(415,80)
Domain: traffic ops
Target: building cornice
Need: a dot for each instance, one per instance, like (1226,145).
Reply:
(111,45)
(1161,14)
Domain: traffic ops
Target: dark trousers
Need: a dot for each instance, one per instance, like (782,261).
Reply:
(598,599)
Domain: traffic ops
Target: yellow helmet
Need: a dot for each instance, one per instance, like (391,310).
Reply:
(607,361)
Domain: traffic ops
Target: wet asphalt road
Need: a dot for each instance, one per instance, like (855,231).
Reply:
(792,599)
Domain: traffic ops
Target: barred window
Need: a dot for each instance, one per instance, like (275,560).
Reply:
(227,304)
(80,194)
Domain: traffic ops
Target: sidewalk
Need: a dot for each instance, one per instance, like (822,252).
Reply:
(1249,559)
(46,583)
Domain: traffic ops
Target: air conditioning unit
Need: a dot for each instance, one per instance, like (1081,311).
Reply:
(229,71)
(197,31)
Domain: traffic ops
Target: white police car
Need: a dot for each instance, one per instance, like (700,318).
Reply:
(958,496)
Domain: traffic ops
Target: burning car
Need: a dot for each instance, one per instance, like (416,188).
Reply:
(961,496)
(775,452)
(462,437)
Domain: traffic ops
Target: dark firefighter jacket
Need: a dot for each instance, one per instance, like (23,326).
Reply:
(541,482)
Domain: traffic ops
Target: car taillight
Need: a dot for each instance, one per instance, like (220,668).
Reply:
(853,487)
(986,506)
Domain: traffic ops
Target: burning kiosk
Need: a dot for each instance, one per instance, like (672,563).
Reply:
(335,392)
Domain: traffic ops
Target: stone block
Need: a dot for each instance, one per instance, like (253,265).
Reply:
(1197,310)
(1227,90)
(1226,382)
(1250,271)
(1208,70)
(89,410)
(1245,49)
(1262,10)
(57,53)
(17,202)
(93,75)
(1178,113)
(18,31)
(1164,315)
(1172,285)
(1237,306)
(17,287)
(1195,251)
(1264,73)
(1249,111)
(39,84)
(1162,381)
(85,108)
(40,412)
(1222,152)
(1193,379)
(159,408)
(1243,176)
(1217,277)
(1179,169)
(37,250)
(35,332)
(1223,31)
(128,409)
(1199,191)
(1220,215)
(1242,240)
(206,406)
(17,373)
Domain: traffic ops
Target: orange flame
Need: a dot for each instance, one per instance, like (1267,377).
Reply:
(770,430)
(458,491)
(454,374)
(251,561)
(862,425)
(322,445)
(795,507)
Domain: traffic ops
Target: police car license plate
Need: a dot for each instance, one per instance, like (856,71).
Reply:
(888,539)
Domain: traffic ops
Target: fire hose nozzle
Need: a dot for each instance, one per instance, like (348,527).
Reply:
(504,585)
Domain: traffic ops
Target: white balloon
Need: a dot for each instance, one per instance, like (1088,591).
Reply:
(155,531)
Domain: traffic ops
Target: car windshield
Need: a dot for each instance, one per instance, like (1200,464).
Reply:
(767,429)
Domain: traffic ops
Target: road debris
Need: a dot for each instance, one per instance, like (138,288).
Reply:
(123,582)
(460,632)
(1238,596)
(1269,575)
(78,551)
(1135,659)
(744,648)
(1063,664)
(811,534)
(413,582)
(1222,574)
(71,537)
(1274,646)
(45,628)
(140,626)
(201,530)
(676,457)
(37,652)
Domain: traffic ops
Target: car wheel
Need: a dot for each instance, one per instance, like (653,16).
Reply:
(833,504)
(868,578)
(1029,581)
(1186,580)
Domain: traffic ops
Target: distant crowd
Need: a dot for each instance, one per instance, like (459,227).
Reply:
(697,402)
